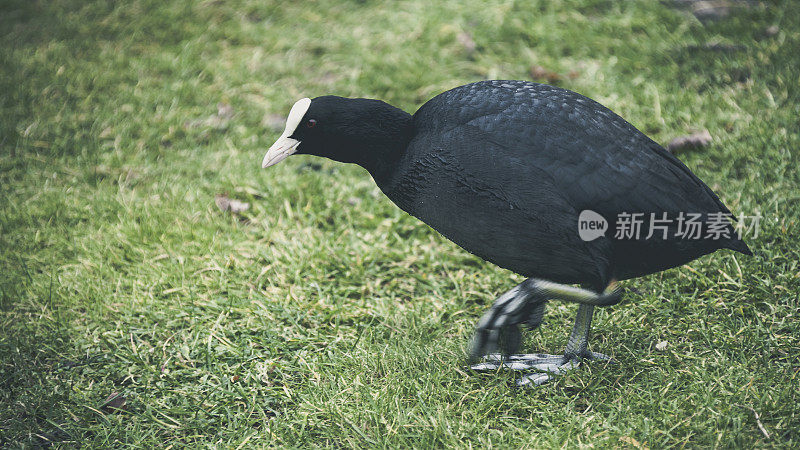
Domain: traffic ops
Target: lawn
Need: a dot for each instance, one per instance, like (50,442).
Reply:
(133,311)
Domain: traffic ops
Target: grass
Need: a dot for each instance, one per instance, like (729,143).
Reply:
(323,315)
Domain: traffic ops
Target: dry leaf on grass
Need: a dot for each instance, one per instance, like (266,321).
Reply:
(633,442)
(224,110)
(218,121)
(113,403)
(694,140)
(274,122)
(466,41)
(713,10)
(225,203)
(542,74)
(772,30)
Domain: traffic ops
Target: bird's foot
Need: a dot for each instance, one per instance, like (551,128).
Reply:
(524,304)
(536,368)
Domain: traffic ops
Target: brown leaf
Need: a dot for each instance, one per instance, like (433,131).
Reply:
(274,122)
(114,402)
(466,41)
(224,203)
(218,121)
(772,30)
(539,73)
(633,442)
(711,10)
(695,140)
(328,78)
(224,110)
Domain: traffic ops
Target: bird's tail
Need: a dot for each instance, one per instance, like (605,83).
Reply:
(738,245)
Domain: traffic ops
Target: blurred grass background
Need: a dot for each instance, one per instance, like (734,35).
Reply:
(323,315)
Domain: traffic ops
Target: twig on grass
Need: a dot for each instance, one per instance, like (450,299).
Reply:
(758,420)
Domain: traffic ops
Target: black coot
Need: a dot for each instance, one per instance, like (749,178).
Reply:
(536,179)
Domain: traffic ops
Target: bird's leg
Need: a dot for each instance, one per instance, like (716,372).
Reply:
(577,345)
(525,304)
(578,341)
(577,351)
(499,326)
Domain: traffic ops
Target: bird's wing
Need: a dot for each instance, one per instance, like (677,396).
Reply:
(520,134)
(526,223)
(592,156)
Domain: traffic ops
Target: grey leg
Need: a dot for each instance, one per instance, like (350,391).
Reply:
(526,303)
(578,343)
(579,338)
(576,351)
(500,325)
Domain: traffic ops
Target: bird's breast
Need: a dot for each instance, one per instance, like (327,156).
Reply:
(483,220)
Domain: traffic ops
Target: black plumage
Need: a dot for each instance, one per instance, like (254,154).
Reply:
(504,169)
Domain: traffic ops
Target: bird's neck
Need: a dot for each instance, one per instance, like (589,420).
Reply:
(382,151)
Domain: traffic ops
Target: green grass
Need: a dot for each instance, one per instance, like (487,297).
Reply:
(324,316)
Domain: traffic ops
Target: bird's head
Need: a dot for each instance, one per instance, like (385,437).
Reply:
(351,130)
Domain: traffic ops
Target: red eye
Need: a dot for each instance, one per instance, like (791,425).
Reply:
(311,123)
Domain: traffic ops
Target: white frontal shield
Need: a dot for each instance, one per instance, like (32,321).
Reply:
(285,145)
